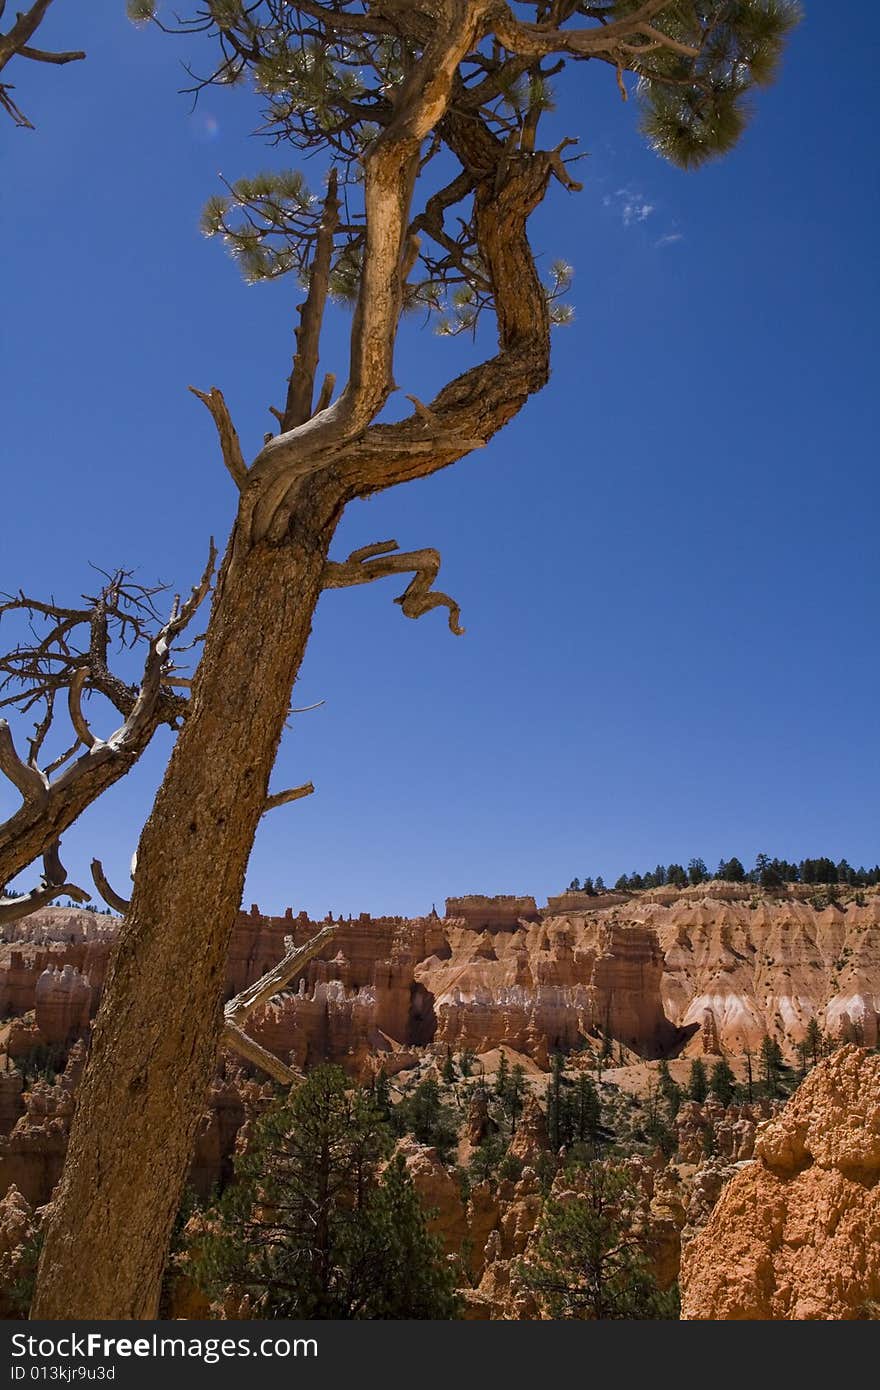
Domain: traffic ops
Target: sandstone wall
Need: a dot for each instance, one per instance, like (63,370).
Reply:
(796,1234)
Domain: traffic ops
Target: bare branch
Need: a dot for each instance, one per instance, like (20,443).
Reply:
(230,446)
(110,896)
(390,167)
(53,885)
(31,783)
(74,703)
(15,43)
(291,964)
(376,562)
(328,386)
(540,40)
(254,996)
(236,1038)
(154,667)
(282,798)
(50,806)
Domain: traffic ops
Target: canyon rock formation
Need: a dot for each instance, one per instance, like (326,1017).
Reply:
(795,1235)
(710,969)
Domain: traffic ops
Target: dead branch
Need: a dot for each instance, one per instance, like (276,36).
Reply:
(282,798)
(29,780)
(74,701)
(110,896)
(390,167)
(376,562)
(246,1047)
(52,885)
(56,662)
(540,40)
(230,446)
(292,963)
(15,43)
(328,386)
(254,996)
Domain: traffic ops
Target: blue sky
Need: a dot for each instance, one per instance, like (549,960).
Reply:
(667,565)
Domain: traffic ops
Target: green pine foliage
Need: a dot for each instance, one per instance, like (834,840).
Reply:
(315,1226)
(722,1082)
(698,1081)
(588,1261)
(695,106)
(669,1090)
(425,1116)
(773,1068)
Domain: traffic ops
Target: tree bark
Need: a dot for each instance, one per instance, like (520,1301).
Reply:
(160,1020)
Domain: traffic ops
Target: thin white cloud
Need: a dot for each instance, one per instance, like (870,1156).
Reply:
(632,206)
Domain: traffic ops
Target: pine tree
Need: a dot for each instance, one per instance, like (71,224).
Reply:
(512,1095)
(382,1094)
(559,1105)
(502,1076)
(732,871)
(697,871)
(589,1261)
(669,1089)
(427,1119)
(813,1039)
(313,1228)
(369,106)
(448,1072)
(698,1084)
(722,1082)
(772,1065)
(587,1111)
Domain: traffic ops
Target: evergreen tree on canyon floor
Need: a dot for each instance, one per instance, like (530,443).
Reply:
(317,1225)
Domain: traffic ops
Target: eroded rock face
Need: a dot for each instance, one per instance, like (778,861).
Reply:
(716,967)
(62,1004)
(549,982)
(18,1225)
(796,1233)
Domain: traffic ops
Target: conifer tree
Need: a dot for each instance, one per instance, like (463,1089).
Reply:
(772,1065)
(698,1082)
(587,1111)
(314,1227)
(589,1260)
(813,1039)
(722,1082)
(669,1089)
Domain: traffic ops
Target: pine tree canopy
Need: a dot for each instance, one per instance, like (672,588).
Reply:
(330,76)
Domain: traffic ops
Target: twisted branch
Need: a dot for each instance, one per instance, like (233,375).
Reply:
(110,896)
(376,562)
(301,385)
